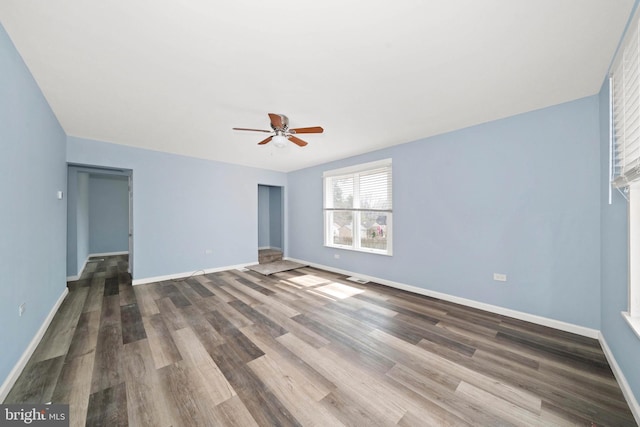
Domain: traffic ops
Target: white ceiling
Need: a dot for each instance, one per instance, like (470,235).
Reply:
(177,76)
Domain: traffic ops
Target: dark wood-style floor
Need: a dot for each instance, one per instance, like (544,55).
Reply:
(305,347)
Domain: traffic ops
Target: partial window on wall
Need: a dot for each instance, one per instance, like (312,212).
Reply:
(358,208)
(625,152)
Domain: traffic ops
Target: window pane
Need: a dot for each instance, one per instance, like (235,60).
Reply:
(341,227)
(373,230)
(342,189)
(375,189)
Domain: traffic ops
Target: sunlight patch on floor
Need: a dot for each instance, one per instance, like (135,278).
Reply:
(307,280)
(339,290)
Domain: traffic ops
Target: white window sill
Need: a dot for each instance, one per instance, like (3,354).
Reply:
(633,321)
(366,251)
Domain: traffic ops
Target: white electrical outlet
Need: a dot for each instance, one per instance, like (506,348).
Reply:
(500,277)
(208,251)
(21,308)
(336,256)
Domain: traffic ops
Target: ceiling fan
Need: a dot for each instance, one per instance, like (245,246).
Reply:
(282,133)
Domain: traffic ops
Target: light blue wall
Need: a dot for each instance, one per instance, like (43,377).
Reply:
(263,217)
(33,220)
(77,221)
(72,221)
(108,213)
(624,344)
(82,218)
(183,206)
(518,196)
(275,217)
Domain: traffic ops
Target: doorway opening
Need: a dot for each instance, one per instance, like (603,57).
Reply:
(270,223)
(99,216)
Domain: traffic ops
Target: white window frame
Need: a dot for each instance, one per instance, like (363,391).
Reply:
(624,167)
(354,172)
(633,315)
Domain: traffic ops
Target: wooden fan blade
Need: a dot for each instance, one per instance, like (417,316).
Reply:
(254,130)
(264,141)
(297,141)
(276,121)
(314,129)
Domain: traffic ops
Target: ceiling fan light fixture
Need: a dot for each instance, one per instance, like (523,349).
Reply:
(282,134)
(280,141)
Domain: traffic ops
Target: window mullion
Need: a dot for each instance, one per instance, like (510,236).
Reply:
(356,213)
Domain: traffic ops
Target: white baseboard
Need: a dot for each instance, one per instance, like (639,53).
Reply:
(622,380)
(544,321)
(79,275)
(108,254)
(22,362)
(190,273)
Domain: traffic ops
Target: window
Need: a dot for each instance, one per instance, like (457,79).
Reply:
(624,169)
(358,208)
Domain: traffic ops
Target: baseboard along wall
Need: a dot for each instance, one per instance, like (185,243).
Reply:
(26,355)
(622,380)
(146,280)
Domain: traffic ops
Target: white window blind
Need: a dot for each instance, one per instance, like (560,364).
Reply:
(625,89)
(358,207)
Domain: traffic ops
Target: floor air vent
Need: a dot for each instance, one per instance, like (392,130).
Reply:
(358,280)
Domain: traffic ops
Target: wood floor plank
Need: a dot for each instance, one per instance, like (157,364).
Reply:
(315,385)
(108,407)
(445,400)
(258,297)
(209,378)
(163,349)
(60,332)
(85,337)
(170,314)
(95,295)
(74,387)
(147,404)
(351,412)
(499,407)
(355,344)
(111,286)
(131,323)
(110,311)
(225,317)
(204,330)
(37,382)
(350,378)
(127,294)
(291,325)
(263,406)
(184,402)
(145,297)
(107,367)
(258,318)
(198,287)
(233,412)
(506,391)
(295,393)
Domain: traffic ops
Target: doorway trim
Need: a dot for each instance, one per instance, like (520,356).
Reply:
(72,206)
